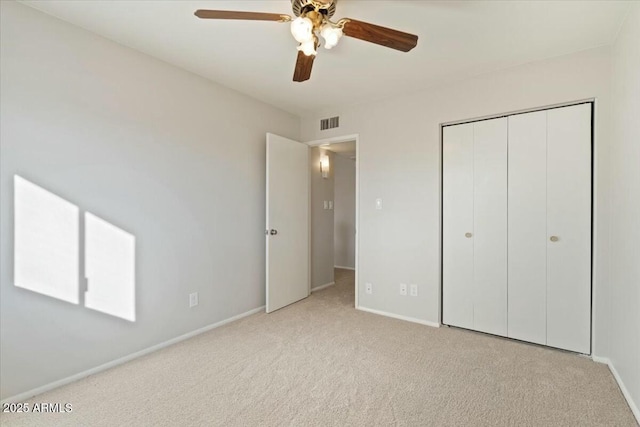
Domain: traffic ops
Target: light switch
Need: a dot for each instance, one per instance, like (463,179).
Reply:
(379,204)
(330,204)
(326,204)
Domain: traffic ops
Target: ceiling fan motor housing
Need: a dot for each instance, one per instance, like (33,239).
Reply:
(326,7)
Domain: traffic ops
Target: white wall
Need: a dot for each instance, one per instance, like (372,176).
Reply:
(321,220)
(344,253)
(175,160)
(399,157)
(624,248)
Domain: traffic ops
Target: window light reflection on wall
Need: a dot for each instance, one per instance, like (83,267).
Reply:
(47,253)
(46,242)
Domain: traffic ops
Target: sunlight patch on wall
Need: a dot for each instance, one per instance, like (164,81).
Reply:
(109,268)
(46,242)
(47,253)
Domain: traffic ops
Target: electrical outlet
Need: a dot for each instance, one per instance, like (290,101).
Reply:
(368,288)
(330,204)
(326,204)
(403,289)
(414,290)
(193,299)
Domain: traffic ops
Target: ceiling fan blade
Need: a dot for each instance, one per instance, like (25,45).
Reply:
(303,67)
(251,16)
(380,35)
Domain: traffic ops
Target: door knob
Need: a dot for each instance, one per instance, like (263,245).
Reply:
(273,232)
(554,238)
(468,235)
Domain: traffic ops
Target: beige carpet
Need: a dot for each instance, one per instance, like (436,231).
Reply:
(320,362)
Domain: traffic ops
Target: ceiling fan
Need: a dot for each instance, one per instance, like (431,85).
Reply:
(313,21)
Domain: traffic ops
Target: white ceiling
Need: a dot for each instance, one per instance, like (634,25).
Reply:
(457,39)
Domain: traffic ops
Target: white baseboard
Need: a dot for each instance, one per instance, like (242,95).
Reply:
(623,388)
(39,390)
(326,285)
(344,268)
(397,316)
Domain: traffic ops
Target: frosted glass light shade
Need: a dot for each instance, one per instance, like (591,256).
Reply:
(331,35)
(308,47)
(302,29)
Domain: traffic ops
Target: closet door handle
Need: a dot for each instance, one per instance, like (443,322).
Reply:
(468,235)
(554,238)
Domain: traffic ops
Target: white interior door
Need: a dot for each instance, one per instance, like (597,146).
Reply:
(457,225)
(569,228)
(527,247)
(490,226)
(287,214)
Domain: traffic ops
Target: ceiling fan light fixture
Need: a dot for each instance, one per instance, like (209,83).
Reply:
(331,35)
(313,22)
(302,29)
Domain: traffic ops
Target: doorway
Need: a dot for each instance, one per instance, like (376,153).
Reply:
(334,213)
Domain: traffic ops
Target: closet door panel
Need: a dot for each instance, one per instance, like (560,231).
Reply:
(490,226)
(527,228)
(569,220)
(457,219)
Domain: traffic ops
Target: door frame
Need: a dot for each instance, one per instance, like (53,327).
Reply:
(338,140)
(594,194)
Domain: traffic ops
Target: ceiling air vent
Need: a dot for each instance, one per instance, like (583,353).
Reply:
(330,123)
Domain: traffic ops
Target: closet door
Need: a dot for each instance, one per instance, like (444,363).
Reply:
(457,226)
(490,226)
(527,247)
(569,228)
